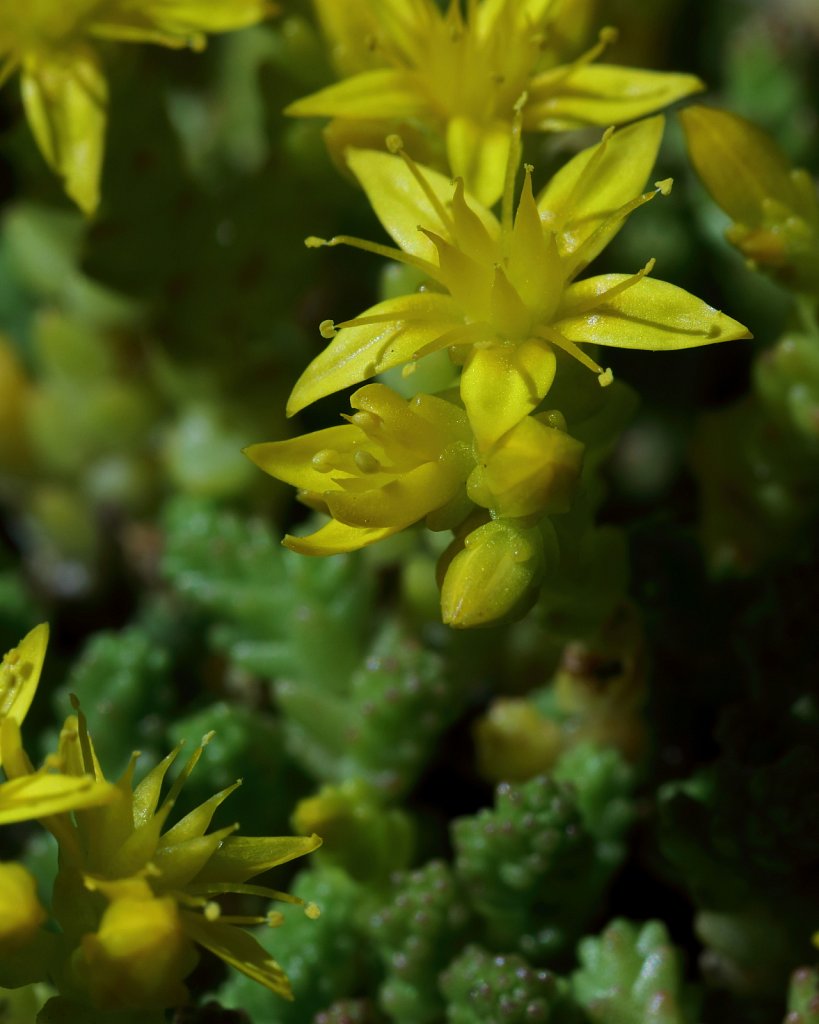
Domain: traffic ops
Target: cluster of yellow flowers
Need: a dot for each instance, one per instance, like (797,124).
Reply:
(133,897)
(485,457)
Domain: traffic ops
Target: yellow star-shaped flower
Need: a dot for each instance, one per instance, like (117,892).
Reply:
(503,294)
(53,43)
(461,76)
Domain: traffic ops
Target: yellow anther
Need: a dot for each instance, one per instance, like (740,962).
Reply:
(327,329)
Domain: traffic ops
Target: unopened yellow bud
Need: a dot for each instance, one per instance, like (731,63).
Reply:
(20,911)
(493,577)
(514,741)
(139,955)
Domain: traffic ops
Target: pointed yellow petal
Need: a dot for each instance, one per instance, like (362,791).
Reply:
(651,315)
(399,504)
(581,202)
(239,949)
(292,460)
(335,538)
(20,673)
(601,94)
(503,383)
(402,205)
(359,352)
(45,793)
(65,96)
(739,164)
(242,857)
(381,93)
(176,22)
(478,152)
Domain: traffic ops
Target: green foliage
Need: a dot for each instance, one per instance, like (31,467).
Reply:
(325,959)
(350,1011)
(484,988)
(632,974)
(123,682)
(803,997)
(273,613)
(416,933)
(533,865)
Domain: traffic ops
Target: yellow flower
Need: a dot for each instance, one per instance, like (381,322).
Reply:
(46,791)
(461,76)
(394,463)
(53,43)
(773,205)
(398,461)
(21,913)
(124,852)
(503,297)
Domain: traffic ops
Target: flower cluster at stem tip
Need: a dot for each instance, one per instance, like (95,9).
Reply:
(133,898)
(486,456)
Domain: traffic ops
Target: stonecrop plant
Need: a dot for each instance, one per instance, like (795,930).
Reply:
(519,647)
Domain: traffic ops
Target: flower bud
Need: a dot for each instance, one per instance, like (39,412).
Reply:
(493,577)
(139,955)
(534,469)
(20,911)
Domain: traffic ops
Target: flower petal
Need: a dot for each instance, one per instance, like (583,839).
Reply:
(583,198)
(650,315)
(400,503)
(335,538)
(361,351)
(381,93)
(503,383)
(44,793)
(239,949)
(292,460)
(242,857)
(402,205)
(66,98)
(20,673)
(176,23)
(601,94)
(478,152)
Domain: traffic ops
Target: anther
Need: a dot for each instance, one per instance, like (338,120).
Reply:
(394,143)
(664,186)
(366,461)
(605,378)
(327,329)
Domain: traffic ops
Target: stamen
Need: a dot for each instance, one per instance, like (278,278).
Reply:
(366,461)
(579,261)
(324,461)
(312,911)
(569,347)
(327,329)
(387,251)
(395,144)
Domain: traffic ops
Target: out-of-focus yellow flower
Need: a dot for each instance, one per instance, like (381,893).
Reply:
(139,954)
(774,206)
(46,791)
(64,89)
(461,76)
(504,297)
(21,912)
(394,463)
(124,851)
